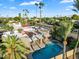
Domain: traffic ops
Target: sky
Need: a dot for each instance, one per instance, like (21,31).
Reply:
(11,8)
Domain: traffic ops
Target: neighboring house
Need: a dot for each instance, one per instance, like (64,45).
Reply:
(17,25)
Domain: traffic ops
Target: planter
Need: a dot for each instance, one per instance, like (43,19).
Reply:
(23,25)
(19,30)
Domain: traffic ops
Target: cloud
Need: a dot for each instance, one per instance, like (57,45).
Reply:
(13,8)
(38,0)
(70,8)
(0,4)
(29,3)
(66,1)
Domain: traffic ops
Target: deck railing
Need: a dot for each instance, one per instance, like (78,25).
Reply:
(68,54)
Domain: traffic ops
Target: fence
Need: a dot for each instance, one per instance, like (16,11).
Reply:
(68,54)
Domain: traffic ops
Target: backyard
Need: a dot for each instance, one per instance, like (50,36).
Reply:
(35,36)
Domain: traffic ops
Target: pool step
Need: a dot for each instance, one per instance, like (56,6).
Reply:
(36,46)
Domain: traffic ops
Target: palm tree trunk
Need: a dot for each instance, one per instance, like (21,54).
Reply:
(75,50)
(40,14)
(36,11)
(64,49)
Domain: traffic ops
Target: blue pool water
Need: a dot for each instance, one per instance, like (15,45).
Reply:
(50,50)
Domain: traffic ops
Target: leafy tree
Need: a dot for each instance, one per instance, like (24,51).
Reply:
(17,19)
(75,17)
(72,44)
(7,28)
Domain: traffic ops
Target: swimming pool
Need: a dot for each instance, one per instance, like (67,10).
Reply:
(50,50)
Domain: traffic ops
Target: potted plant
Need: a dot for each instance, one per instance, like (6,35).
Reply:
(19,30)
(23,22)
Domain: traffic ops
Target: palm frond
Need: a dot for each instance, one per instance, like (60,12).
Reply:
(14,48)
(76,5)
(75,10)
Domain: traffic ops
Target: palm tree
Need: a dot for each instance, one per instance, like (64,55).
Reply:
(36,4)
(25,12)
(62,31)
(76,5)
(41,4)
(76,9)
(67,29)
(13,48)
